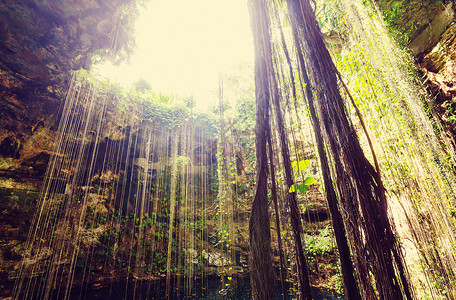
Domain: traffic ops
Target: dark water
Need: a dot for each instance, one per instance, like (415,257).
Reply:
(212,290)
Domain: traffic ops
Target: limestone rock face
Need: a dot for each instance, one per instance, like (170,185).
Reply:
(422,23)
(439,66)
(17,207)
(438,63)
(430,29)
(442,58)
(41,41)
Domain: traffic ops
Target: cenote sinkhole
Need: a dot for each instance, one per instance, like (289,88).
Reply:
(206,149)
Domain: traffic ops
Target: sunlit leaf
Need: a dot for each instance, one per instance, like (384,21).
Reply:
(303,164)
(309,181)
(292,189)
(293,164)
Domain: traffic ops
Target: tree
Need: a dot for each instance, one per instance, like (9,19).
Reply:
(266,90)
(365,232)
(362,195)
(261,271)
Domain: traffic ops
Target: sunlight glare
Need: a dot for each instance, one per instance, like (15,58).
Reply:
(182,46)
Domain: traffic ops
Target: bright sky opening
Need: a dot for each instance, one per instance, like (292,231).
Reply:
(182,46)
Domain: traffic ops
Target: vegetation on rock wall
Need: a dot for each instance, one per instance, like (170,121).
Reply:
(42,41)
(140,185)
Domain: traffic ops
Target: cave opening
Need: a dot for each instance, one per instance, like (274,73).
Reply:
(284,149)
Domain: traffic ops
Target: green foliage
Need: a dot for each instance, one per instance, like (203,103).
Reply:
(404,17)
(336,282)
(183,160)
(142,85)
(329,16)
(300,166)
(244,115)
(168,116)
(321,244)
(242,121)
(143,103)
(208,121)
(453,213)
(121,25)
(395,10)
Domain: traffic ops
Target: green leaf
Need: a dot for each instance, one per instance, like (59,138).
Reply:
(309,181)
(292,188)
(303,188)
(303,164)
(283,232)
(293,164)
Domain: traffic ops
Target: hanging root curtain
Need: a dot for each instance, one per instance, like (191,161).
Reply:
(360,188)
(376,255)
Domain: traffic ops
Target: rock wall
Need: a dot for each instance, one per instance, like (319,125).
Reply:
(429,30)
(17,207)
(41,41)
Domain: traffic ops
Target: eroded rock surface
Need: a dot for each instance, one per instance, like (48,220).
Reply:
(41,42)
(430,30)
